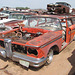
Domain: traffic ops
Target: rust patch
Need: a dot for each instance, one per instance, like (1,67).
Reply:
(44,38)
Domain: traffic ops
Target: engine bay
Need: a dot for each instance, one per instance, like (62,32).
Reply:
(21,37)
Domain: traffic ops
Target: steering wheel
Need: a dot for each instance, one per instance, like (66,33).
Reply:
(19,34)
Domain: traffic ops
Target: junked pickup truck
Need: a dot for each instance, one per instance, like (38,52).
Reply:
(35,44)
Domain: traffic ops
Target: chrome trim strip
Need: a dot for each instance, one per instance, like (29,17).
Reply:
(32,46)
(7,43)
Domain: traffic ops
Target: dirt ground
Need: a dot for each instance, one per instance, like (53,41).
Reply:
(62,64)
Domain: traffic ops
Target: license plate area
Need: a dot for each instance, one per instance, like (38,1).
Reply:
(24,63)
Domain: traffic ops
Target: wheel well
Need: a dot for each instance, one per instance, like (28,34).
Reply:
(55,48)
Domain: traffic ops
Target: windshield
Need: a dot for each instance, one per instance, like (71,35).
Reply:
(18,16)
(44,23)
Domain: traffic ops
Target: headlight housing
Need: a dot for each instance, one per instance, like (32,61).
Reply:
(32,51)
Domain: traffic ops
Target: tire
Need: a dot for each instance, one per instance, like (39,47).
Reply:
(49,57)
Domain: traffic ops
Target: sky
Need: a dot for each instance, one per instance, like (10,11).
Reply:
(33,4)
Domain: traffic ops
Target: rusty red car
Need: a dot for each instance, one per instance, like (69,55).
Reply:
(37,42)
(58,8)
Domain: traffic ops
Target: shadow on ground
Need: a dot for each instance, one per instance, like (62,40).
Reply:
(72,61)
(4,59)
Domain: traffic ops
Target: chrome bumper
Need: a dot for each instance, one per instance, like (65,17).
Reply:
(35,62)
(3,52)
(15,56)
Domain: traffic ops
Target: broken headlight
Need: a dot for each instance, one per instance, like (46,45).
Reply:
(32,51)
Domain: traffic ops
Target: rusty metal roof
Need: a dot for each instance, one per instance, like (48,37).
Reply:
(54,16)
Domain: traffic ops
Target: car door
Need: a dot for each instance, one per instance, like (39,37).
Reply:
(71,29)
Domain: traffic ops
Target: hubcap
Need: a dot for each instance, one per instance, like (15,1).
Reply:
(50,57)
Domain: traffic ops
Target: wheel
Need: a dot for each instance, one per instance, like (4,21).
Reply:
(49,57)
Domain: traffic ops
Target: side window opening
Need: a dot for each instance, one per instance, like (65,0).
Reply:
(69,22)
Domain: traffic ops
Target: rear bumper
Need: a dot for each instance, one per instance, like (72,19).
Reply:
(35,62)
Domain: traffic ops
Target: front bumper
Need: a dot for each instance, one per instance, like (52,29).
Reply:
(35,62)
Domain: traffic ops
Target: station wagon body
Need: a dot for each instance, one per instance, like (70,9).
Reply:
(35,44)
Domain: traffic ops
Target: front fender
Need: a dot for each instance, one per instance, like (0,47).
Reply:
(57,43)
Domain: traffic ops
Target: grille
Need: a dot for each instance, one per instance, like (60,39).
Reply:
(19,48)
